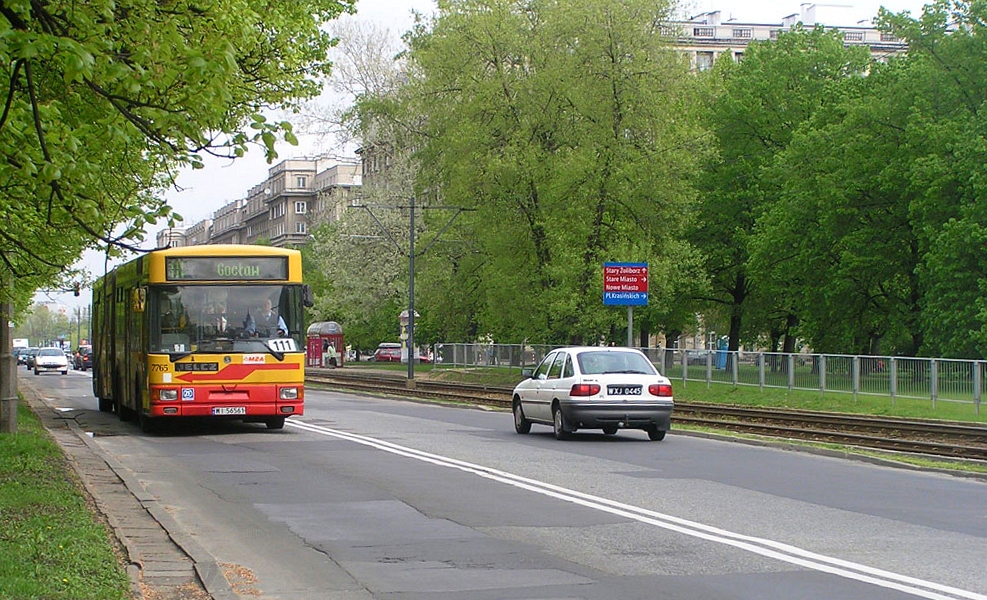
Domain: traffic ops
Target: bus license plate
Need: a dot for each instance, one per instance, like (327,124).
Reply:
(230,410)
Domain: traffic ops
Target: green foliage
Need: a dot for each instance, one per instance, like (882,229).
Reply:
(837,203)
(756,107)
(360,270)
(880,210)
(51,543)
(40,324)
(566,129)
(103,107)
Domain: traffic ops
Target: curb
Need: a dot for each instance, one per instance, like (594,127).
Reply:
(204,565)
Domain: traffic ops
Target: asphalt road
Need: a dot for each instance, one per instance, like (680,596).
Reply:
(380,498)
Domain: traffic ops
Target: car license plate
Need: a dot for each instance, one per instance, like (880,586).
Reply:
(623,390)
(230,410)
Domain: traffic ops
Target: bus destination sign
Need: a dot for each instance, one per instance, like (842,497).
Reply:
(226,268)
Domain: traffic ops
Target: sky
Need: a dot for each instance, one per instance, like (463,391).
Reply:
(202,192)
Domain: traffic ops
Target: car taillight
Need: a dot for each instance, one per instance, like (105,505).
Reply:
(584,389)
(660,389)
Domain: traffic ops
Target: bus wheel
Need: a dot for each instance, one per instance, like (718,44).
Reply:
(105,405)
(147,424)
(122,411)
(275,422)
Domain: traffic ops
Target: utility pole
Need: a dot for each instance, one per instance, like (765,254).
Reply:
(411,262)
(411,294)
(8,366)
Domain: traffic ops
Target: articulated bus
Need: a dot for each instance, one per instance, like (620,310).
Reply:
(212,331)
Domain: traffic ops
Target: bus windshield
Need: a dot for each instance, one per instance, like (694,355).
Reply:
(223,318)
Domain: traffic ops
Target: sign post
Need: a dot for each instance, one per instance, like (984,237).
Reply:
(626,284)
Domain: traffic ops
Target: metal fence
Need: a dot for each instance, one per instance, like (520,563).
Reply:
(933,379)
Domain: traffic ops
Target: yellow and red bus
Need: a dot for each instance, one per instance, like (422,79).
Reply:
(212,331)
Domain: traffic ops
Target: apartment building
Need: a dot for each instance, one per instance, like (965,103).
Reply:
(281,209)
(172,237)
(705,37)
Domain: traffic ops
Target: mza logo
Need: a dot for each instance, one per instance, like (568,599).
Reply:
(188,393)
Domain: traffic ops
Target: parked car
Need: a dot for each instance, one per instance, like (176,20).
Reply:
(51,359)
(28,357)
(83,358)
(388,352)
(591,387)
(701,356)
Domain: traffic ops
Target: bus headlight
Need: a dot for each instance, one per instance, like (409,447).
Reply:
(167,395)
(289,393)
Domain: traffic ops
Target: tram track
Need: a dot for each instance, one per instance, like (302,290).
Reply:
(919,437)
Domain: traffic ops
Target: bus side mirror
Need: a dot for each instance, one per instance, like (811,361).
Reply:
(307,298)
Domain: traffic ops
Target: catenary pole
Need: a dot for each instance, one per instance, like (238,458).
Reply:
(411,293)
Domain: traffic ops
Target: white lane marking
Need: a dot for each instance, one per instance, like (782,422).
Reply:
(764,547)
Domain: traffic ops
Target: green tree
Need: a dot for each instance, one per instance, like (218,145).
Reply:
(568,127)
(42,325)
(947,139)
(106,99)
(755,107)
(881,215)
(838,239)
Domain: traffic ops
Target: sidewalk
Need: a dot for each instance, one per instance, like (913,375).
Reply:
(163,562)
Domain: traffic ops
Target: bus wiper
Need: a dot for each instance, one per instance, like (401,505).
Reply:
(176,356)
(273,352)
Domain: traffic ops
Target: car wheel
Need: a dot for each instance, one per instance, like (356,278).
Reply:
(521,423)
(65,372)
(610,429)
(275,423)
(558,422)
(655,434)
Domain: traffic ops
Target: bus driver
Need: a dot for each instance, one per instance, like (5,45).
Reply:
(267,322)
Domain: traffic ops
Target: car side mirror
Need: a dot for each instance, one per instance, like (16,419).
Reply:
(527,373)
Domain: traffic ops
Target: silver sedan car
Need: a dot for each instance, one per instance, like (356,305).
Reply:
(51,359)
(592,387)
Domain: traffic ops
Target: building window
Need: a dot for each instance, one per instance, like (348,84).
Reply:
(774,34)
(887,37)
(702,32)
(853,36)
(743,33)
(737,56)
(300,182)
(300,227)
(301,207)
(704,60)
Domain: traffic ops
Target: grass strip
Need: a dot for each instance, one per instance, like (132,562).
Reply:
(52,545)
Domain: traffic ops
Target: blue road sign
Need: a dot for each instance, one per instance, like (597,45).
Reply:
(625,298)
